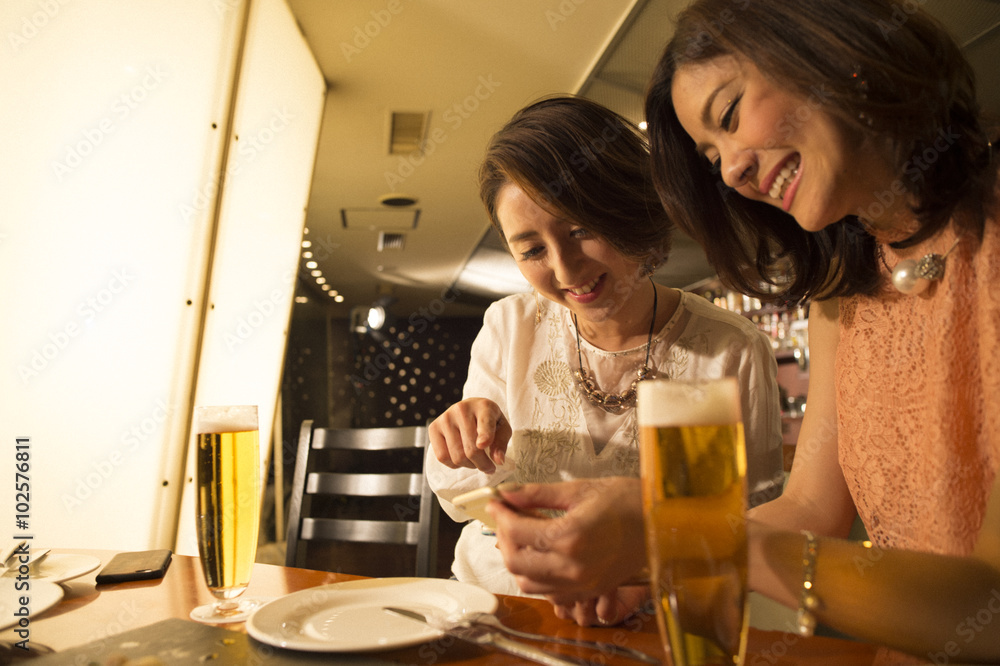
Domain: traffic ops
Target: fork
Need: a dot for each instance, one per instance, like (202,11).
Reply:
(8,561)
(8,554)
(493,621)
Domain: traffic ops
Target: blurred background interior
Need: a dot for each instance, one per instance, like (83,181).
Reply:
(444,81)
(339,267)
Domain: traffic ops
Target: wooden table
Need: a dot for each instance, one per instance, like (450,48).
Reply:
(89,613)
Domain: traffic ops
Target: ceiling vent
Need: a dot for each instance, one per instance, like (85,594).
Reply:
(396,200)
(390,241)
(407,131)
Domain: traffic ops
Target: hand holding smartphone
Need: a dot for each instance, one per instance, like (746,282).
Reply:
(474,503)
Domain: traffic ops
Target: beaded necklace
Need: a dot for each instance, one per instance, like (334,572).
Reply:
(614,403)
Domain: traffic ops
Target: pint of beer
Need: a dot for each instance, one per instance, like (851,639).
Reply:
(227,504)
(693,466)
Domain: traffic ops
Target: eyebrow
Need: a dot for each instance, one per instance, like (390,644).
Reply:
(522,236)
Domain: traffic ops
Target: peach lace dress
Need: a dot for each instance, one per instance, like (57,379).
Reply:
(918,394)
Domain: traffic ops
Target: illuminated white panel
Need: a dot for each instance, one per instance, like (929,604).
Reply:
(270,161)
(111,154)
(114,112)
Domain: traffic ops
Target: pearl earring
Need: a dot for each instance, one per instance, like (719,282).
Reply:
(913,276)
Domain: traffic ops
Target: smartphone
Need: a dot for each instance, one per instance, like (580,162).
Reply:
(474,503)
(138,565)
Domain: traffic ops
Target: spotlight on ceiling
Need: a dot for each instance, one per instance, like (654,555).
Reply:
(373,319)
(376,317)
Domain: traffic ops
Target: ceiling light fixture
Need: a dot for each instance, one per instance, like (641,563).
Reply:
(396,200)
(376,317)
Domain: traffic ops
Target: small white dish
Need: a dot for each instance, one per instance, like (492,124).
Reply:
(57,568)
(40,595)
(349,616)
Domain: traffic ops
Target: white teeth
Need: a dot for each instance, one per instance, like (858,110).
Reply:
(586,289)
(785,176)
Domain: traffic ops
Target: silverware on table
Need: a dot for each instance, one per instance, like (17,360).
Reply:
(37,556)
(489,620)
(481,635)
(12,558)
(8,555)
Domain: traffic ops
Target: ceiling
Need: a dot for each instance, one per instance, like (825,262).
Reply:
(462,68)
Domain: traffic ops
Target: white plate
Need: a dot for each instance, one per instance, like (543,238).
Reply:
(42,595)
(348,617)
(58,567)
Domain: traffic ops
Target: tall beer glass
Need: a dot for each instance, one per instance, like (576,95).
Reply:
(228,508)
(693,466)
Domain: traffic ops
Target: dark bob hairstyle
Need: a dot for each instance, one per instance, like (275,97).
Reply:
(578,159)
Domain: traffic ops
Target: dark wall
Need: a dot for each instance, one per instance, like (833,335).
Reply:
(412,372)
(406,374)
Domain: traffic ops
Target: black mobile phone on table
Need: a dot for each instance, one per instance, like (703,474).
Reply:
(137,565)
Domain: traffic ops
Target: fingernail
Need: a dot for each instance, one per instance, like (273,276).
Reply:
(510,486)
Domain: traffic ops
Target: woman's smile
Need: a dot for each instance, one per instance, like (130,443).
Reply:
(589,289)
(565,262)
(809,166)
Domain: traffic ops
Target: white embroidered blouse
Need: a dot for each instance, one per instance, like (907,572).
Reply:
(527,369)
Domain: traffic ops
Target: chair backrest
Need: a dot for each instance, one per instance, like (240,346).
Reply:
(362,485)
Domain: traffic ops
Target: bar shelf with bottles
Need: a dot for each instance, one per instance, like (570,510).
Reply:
(786,325)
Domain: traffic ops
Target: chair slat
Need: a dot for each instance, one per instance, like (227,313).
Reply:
(369,439)
(366,531)
(364,485)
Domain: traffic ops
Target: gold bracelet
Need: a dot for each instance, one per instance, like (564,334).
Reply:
(808,601)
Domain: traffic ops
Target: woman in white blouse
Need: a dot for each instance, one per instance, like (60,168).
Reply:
(550,393)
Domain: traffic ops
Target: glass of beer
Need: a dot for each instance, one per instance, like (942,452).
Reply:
(693,466)
(228,508)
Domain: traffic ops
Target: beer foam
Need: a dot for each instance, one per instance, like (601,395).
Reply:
(664,402)
(238,418)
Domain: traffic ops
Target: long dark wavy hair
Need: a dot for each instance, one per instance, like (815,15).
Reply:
(888,72)
(577,158)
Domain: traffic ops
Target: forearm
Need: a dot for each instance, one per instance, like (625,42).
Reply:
(922,603)
(790,513)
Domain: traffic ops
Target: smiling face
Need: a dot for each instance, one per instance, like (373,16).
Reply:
(565,262)
(775,147)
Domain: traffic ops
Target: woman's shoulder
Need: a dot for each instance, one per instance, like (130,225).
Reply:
(512,312)
(703,308)
(514,304)
(725,327)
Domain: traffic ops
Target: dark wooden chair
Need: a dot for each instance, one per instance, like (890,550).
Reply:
(362,486)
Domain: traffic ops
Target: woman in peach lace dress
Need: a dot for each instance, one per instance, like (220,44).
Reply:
(835,148)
